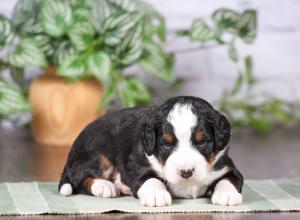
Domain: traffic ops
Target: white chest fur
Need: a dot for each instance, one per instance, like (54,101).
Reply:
(194,190)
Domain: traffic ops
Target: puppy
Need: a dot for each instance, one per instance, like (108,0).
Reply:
(176,150)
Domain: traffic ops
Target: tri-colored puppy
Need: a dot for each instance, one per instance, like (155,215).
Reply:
(155,153)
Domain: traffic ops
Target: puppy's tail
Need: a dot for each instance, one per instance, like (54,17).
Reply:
(64,187)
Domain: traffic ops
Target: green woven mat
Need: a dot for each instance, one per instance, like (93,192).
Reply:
(41,198)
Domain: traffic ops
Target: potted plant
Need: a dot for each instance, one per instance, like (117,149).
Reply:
(84,47)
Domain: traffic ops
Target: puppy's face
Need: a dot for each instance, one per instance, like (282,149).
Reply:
(186,141)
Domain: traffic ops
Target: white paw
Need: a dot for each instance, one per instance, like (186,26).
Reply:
(154,193)
(226,194)
(104,188)
(220,197)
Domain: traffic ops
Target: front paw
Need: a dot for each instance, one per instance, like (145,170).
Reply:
(226,194)
(104,188)
(154,193)
(229,198)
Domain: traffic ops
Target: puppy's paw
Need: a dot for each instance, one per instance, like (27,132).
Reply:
(226,194)
(226,198)
(104,188)
(154,193)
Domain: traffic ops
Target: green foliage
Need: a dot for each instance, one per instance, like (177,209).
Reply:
(242,111)
(102,38)
(6,32)
(86,38)
(156,62)
(28,54)
(11,100)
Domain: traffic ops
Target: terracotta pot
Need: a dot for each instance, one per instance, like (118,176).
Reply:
(61,110)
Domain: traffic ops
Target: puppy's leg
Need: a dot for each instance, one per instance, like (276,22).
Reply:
(101,187)
(154,193)
(227,190)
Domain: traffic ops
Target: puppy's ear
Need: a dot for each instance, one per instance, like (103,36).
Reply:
(221,130)
(149,136)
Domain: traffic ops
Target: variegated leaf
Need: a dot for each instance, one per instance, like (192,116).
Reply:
(125,5)
(81,35)
(82,14)
(111,91)
(6,32)
(25,17)
(134,92)
(28,54)
(156,62)
(200,31)
(72,68)
(226,19)
(44,42)
(101,10)
(116,27)
(99,65)
(11,100)
(131,48)
(247,26)
(63,51)
(56,17)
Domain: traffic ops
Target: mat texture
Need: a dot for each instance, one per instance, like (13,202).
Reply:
(42,198)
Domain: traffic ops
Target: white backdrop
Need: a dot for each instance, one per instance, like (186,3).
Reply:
(276,51)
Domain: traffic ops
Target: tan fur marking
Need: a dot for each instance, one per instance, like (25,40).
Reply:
(198,135)
(210,161)
(169,138)
(88,183)
(161,161)
(105,166)
(121,187)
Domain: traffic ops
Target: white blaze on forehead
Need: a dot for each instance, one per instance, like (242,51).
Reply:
(182,119)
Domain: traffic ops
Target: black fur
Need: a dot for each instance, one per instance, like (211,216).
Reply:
(124,136)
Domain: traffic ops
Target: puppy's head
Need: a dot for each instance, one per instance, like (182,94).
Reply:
(183,137)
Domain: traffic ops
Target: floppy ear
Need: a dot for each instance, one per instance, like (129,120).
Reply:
(221,129)
(149,136)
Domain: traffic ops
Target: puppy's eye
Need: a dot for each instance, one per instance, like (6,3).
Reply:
(202,143)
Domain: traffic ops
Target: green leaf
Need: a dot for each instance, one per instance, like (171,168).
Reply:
(6,32)
(25,17)
(17,74)
(63,51)
(117,27)
(28,54)
(247,26)
(131,47)
(238,84)
(56,17)
(110,93)
(157,63)
(72,68)
(99,65)
(249,70)
(232,52)
(101,10)
(134,92)
(226,19)
(44,42)
(81,35)
(262,125)
(200,31)
(82,14)
(11,100)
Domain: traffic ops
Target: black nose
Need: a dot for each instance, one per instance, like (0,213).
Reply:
(186,173)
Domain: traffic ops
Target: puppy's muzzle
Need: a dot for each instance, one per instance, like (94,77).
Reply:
(186,173)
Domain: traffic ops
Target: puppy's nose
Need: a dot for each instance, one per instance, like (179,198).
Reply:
(186,173)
